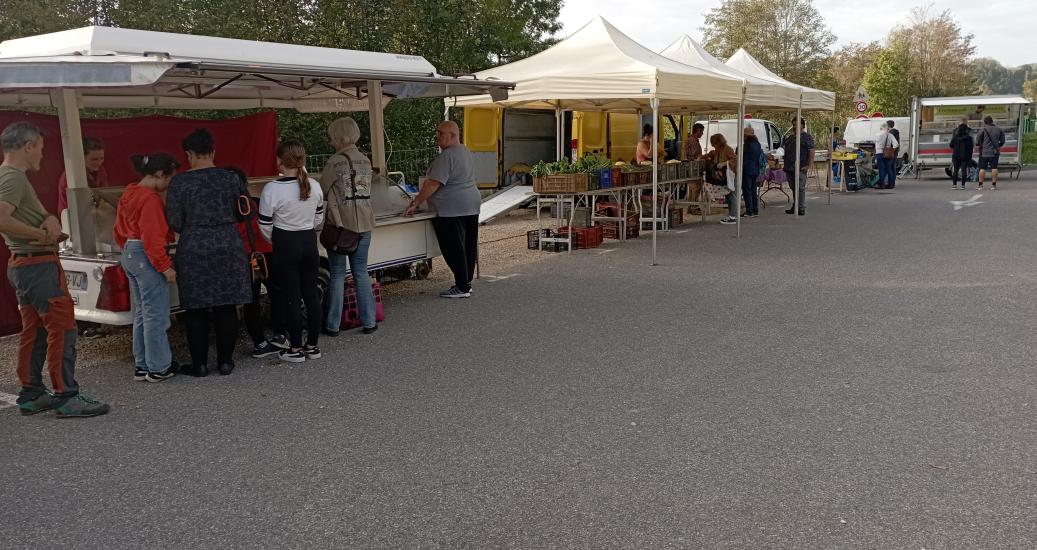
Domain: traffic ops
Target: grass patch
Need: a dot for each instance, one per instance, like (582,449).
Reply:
(1030,149)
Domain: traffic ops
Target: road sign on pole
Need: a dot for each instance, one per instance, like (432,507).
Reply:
(861,106)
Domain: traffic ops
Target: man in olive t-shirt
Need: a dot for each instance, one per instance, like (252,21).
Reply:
(48,315)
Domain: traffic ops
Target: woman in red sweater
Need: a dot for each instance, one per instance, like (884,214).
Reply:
(142,232)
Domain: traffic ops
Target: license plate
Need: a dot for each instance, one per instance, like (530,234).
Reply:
(75,280)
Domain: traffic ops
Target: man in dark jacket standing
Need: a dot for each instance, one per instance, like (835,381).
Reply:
(961,153)
(806,157)
(896,159)
(750,172)
(990,140)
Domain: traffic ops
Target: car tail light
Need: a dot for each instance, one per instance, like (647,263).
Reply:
(115,290)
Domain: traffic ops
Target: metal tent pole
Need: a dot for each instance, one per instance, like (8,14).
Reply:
(80,217)
(655,177)
(798,128)
(377,120)
(740,138)
(831,161)
(559,133)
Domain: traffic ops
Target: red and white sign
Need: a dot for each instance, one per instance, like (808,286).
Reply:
(861,106)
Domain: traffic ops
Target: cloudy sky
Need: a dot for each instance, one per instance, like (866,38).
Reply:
(1002,29)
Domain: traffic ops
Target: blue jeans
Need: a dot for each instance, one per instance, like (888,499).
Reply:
(357,264)
(887,171)
(149,297)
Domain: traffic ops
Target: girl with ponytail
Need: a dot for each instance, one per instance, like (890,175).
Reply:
(291,210)
(142,233)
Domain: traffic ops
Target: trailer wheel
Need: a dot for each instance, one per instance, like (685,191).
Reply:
(423,269)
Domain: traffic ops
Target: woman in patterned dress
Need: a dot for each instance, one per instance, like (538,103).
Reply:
(211,263)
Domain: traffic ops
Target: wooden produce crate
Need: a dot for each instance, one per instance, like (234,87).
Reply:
(610,229)
(561,183)
(676,217)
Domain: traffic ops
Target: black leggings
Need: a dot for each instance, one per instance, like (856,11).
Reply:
(459,242)
(294,271)
(226,320)
(254,311)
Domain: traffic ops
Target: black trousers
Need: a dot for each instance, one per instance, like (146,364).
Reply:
(254,311)
(459,242)
(197,321)
(962,166)
(294,271)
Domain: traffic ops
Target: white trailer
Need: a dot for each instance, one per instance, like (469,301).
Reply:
(935,118)
(106,67)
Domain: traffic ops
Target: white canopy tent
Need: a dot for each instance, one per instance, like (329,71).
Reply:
(127,68)
(759,92)
(813,99)
(599,68)
(763,89)
(810,99)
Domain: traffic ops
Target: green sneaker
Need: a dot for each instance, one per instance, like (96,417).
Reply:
(45,402)
(82,406)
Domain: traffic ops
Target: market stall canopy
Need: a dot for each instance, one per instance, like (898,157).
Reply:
(599,68)
(813,99)
(127,68)
(972,101)
(759,93)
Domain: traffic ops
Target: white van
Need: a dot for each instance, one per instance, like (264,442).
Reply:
(766,131)
(864,130)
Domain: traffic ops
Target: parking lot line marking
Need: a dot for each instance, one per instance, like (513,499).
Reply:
(958,205)
(7,400)
(495,278)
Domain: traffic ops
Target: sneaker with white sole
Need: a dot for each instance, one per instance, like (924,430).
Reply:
(454,292)
(279,341)
(161,376)
(312,352)
(289,356)
(730,220)
(139,374)
(264,349)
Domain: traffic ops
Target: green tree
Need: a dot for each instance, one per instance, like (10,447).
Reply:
(889,81)
(1030,90)
(789,37)
(938,54)
(843,73)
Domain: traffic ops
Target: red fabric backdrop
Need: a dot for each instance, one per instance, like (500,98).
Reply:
(248,142)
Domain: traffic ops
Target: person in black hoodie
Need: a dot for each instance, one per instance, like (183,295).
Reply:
(962,146)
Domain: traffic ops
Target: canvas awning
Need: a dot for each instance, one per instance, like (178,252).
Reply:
(813,99)
(974,100)
(599,68)
(128,68)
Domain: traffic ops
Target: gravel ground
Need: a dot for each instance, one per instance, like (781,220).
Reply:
(503,247)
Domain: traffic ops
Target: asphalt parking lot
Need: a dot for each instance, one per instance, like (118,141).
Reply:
(863,377)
